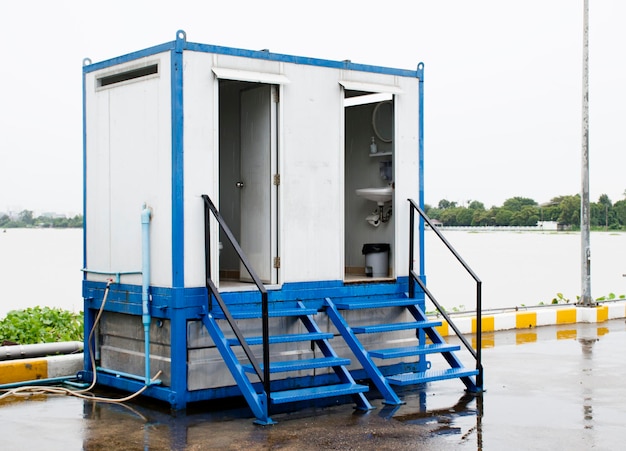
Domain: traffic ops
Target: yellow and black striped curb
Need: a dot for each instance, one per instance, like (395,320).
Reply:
(531,318)
(24,370)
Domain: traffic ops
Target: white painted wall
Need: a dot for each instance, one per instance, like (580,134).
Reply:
(129,164)
(201,164)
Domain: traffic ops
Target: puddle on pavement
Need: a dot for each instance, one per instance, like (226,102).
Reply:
(558,391)
(69,423)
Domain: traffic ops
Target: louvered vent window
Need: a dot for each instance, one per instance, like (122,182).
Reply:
(128,75)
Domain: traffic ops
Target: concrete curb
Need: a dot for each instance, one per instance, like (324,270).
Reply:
(530,318)
(26,370)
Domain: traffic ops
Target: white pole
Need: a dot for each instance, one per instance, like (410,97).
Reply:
(585,273)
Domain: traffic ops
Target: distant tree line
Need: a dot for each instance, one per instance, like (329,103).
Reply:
(522,211)
(27,219)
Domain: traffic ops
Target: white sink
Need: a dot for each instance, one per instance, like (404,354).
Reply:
(378,195)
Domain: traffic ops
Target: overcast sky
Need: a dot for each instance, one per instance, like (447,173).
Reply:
(503,83)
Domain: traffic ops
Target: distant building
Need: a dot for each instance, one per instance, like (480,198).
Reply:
(52,215)
(548,225)
(436,223)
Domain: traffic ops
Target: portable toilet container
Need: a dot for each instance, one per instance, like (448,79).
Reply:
(228,196)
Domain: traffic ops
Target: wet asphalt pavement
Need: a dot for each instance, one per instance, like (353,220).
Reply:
(554,387)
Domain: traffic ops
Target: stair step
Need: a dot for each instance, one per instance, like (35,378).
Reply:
(430,375)
(275,313)
(324,391)
(393,353)
(296,365)
(375,328)
(374,303)
(289,338)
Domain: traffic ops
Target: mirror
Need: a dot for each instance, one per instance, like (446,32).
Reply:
(382,121)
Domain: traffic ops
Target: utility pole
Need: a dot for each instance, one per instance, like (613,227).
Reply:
(585,297)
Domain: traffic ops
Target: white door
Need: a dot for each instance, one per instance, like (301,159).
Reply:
(258,192)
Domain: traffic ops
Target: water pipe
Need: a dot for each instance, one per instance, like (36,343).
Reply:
(118,275)
(146,215)
(39,350)
(39,382)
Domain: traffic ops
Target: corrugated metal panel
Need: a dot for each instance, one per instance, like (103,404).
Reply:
(252,76)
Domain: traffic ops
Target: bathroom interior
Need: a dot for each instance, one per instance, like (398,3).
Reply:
(369,220)
(368,154)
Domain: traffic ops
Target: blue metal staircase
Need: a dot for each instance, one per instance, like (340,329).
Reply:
(254,378)
(416,354)
(245,374)
(261,394)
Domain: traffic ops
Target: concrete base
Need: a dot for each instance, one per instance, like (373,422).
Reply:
(25,370)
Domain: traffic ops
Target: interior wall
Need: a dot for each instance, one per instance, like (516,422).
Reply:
(362,171)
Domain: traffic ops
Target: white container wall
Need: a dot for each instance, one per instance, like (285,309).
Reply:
(128,163)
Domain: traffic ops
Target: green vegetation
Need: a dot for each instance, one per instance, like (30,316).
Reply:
(26,219)
(560,299)
(611,297)
(521,211)
(41,325)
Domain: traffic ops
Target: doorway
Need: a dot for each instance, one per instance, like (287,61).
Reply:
(369,228)
(247,192)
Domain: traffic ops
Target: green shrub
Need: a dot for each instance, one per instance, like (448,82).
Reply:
(41,325)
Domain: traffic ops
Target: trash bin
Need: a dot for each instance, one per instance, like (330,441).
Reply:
(376,259)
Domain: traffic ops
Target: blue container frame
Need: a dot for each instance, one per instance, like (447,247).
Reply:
(180,304)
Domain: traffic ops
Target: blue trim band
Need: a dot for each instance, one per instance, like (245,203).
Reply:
(257,54)
(84,174)
(178,207)
(129,57)
(127,298)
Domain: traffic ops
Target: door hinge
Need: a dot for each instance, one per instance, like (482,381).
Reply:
(276,179)
(276,262)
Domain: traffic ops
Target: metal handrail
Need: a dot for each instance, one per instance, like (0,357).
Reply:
(264,375)
(477,353)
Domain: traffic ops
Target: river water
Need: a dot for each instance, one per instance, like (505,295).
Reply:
(522,268)
(40,267)
(43,267)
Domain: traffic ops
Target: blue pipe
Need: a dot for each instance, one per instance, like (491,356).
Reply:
(48,381)
(118,275)
(146,215)
(124,374)
(422,254)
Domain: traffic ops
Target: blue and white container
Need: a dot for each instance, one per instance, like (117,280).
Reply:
(279,144)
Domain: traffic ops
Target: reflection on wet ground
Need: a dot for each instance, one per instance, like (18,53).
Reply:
(563,389)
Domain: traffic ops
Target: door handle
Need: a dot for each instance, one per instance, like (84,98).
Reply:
(239,184)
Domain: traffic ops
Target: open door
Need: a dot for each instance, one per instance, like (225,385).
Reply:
(258,237)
